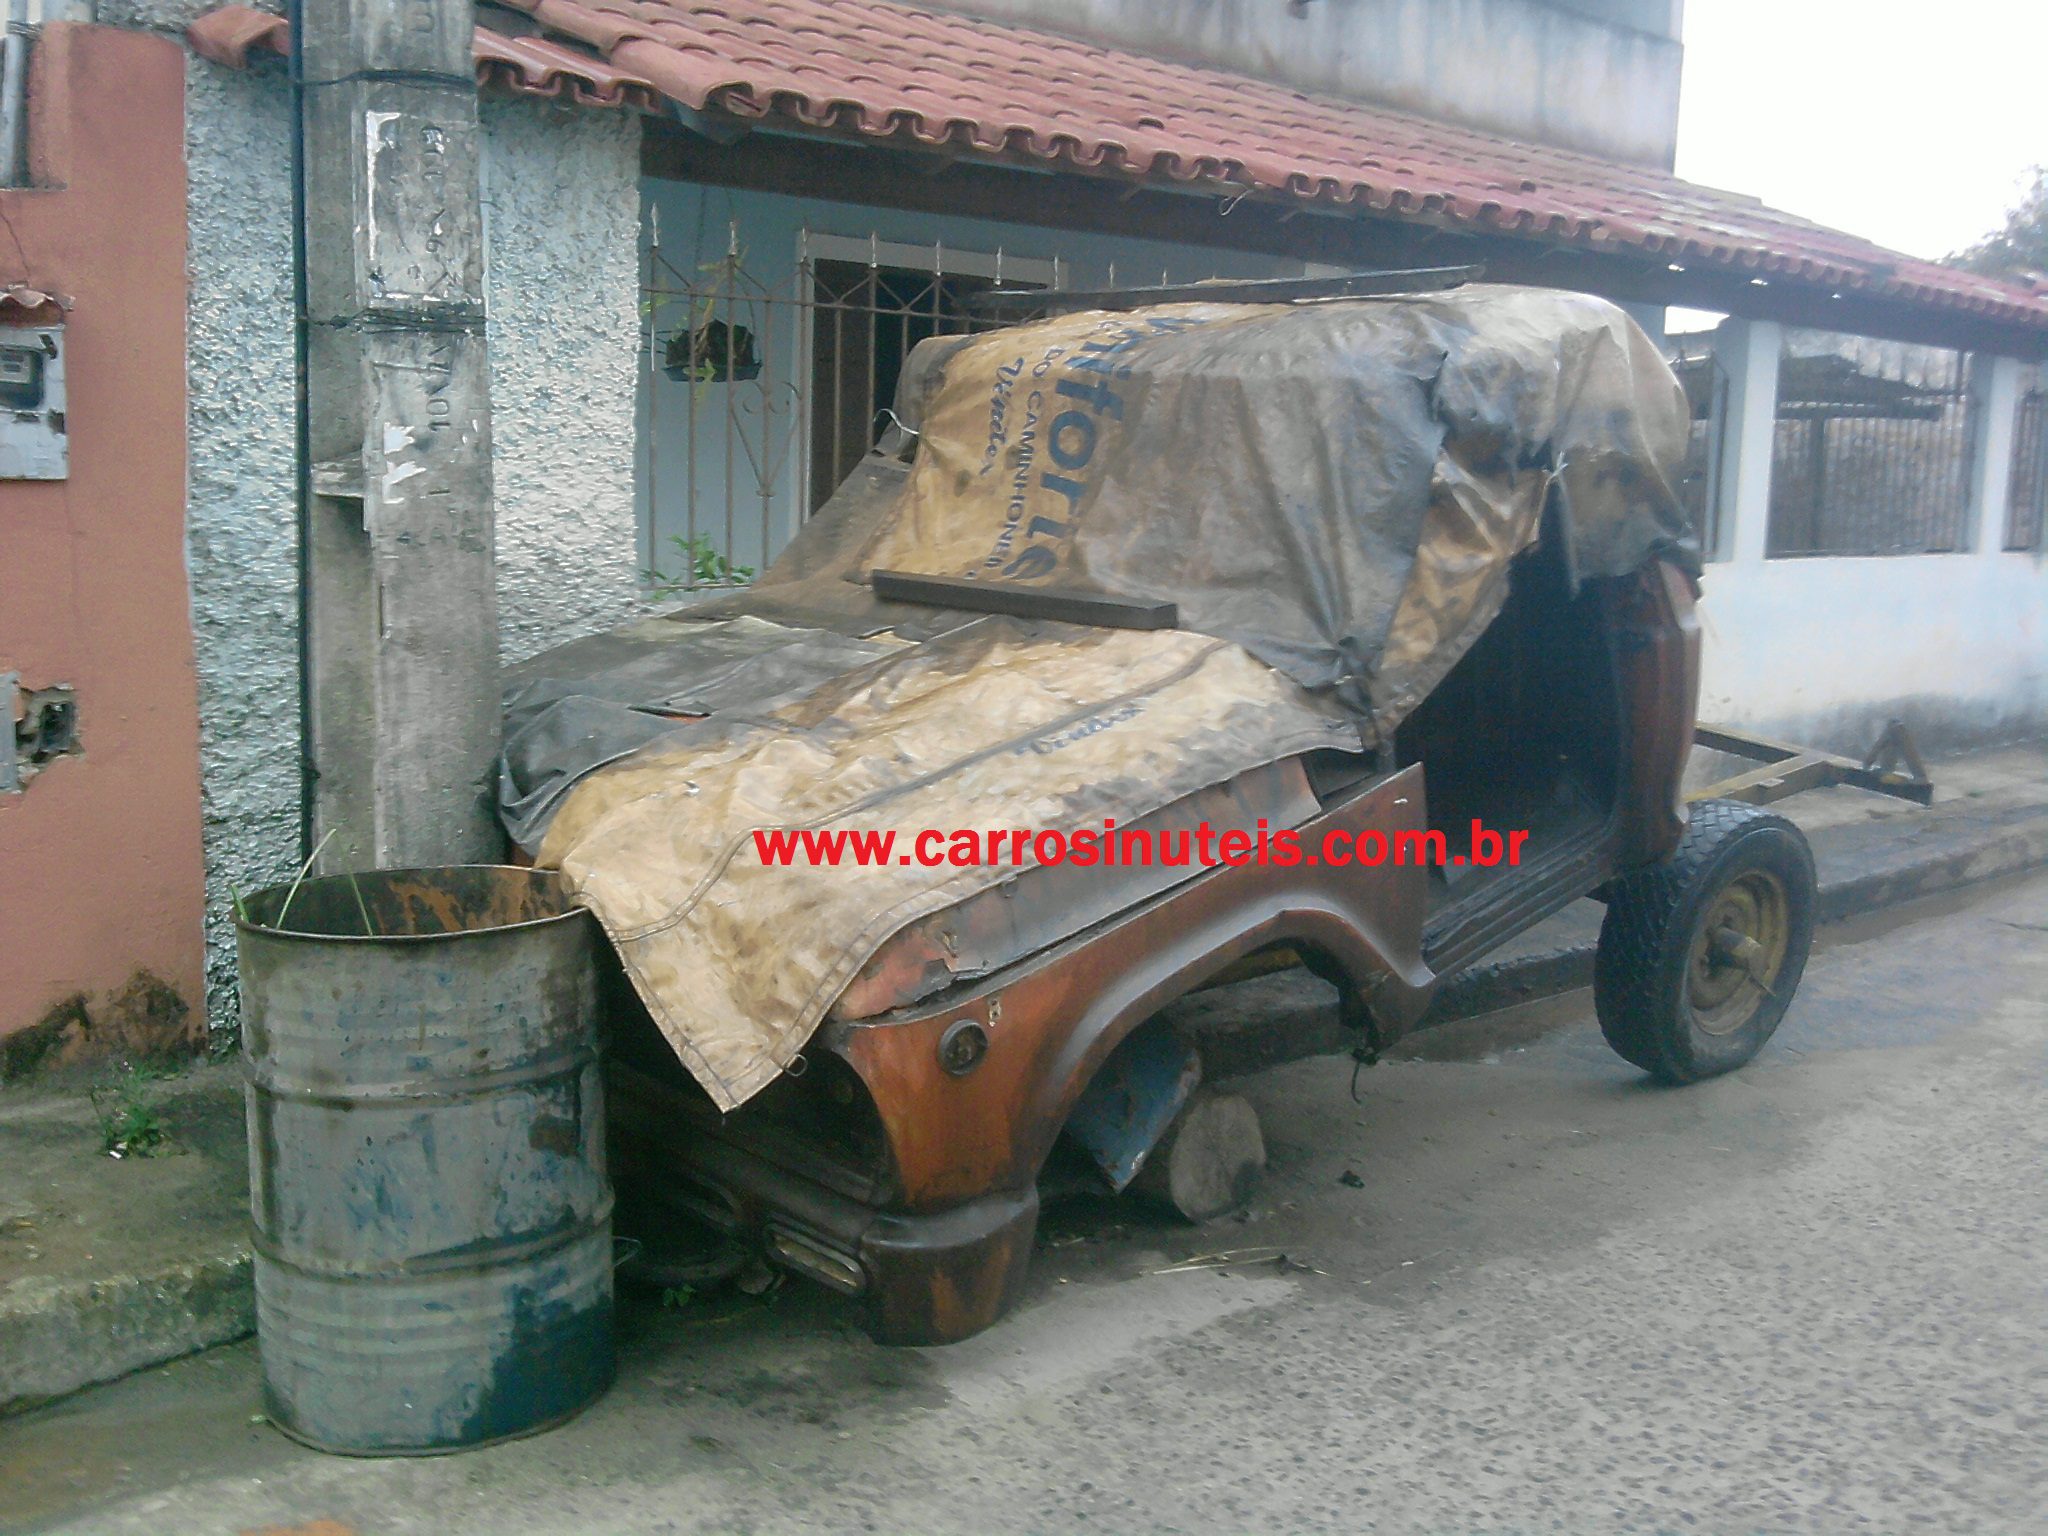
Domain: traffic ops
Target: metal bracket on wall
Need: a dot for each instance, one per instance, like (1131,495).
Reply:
(10,701)
(340,479)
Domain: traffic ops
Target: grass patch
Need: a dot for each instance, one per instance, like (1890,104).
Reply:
(129,1123)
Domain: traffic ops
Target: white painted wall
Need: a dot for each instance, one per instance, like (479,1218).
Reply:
(1824,651)
(1749,353)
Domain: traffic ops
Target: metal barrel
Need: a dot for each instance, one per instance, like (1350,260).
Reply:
(426,1150)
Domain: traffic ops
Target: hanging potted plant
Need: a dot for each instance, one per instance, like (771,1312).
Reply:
(712,353)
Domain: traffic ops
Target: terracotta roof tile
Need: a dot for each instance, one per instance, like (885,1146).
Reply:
(884,69)
(531,66)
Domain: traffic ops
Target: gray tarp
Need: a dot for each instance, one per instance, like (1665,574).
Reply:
(1336,489)
(612,694)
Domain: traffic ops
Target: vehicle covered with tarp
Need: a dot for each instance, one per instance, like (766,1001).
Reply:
(1349,569)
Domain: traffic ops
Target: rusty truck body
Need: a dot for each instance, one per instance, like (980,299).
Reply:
(1532,663)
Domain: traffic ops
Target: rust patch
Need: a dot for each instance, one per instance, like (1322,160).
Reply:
(311,1528)
(148,1018)
(401,904)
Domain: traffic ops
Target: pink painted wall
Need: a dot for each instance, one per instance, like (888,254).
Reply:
(101,877)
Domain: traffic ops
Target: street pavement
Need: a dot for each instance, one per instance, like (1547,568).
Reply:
(1522,1290)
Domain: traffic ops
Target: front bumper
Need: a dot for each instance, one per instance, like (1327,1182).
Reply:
(921,1278)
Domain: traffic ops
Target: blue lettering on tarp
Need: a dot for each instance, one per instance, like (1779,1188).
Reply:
(999,414)
(1081,730)
(1066,427)
(1026,453)
(1088,381)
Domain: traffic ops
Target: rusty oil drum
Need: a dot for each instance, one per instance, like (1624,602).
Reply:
(426,1150)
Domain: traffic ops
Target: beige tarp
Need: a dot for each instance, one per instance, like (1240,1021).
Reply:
(1331,493)
(997,725)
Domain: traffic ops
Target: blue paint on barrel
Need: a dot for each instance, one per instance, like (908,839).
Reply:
(426,1148)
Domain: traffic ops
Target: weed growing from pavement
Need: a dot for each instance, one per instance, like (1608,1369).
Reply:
(129,1124)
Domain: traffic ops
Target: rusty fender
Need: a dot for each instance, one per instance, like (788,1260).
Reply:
(967,1121)
(1656,631)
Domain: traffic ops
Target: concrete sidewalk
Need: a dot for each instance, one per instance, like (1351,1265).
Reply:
(109,1265)
(1989,818)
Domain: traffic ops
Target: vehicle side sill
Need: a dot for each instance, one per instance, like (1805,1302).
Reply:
(1464,933)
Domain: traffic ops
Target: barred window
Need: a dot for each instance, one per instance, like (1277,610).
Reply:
(1872,450)
(762,387)
(2029,489)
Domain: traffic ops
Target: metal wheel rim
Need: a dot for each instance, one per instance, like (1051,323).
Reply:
(1726,980)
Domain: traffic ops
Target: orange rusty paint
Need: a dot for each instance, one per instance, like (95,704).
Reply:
(1053,1019)
(958,1294)
(101,853)
(1002,925)
(938,1199)
(311,1528)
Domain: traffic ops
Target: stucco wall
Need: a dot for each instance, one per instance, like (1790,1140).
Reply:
(564,204)
(169,17)
(240,518)
(563,208)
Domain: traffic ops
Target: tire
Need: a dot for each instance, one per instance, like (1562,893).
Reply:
(1699,955)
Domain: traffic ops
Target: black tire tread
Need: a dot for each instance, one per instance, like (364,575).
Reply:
(1643,908)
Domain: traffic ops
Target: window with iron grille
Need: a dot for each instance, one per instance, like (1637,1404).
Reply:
(864,321)
(762,396)
(2028,497)
(1872,449)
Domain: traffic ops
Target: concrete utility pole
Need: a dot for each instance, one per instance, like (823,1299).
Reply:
(14,94)
(400,602)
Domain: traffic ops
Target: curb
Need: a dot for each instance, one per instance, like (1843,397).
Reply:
(1526,978)
(1235,1025)
(56,1338)
(2015,852)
